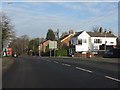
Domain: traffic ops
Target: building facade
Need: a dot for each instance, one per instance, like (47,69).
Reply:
(92,41)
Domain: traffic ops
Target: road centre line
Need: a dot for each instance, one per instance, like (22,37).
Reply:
(66,64)
(48,60)
(86,71)
(83,69)
(55,62)
(112,78)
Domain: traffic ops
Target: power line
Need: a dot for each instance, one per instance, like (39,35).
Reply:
(97,18)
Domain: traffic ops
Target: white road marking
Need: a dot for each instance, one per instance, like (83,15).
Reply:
(48,60)
(55,62)
(83,69)
(112,78)
(63,64)
(67,65)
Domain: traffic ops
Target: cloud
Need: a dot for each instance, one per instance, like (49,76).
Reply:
(34,19)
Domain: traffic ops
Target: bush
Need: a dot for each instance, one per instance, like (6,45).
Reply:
(61,52)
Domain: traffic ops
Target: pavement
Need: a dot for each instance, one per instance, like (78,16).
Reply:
(101,59)
(7,62)
(98,59)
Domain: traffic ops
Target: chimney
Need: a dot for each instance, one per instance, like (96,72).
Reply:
(110,32)
(70,31)
(100,30)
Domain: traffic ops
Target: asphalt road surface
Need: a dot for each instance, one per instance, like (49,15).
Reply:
(36,72)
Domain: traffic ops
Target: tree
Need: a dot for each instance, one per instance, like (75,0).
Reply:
(95,29)
(50,35)
(64,34)
(20,44)
(6,29)
(33,45)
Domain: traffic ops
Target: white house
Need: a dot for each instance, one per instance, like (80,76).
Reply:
(92,41)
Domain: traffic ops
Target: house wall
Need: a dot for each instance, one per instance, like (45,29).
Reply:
(83,46)
(73,41)
(66,40)
(90,45)
(109,41)
(43,46)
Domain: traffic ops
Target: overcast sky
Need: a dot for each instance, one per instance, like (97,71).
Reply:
(35,18)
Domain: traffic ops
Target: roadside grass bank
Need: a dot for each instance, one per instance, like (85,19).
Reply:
(95,59)
(6,63)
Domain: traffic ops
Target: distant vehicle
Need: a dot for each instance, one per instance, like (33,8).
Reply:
(15,54)
(112,53)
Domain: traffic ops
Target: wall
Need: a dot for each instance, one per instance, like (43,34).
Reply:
(108,39)
(84,46)
(66,41)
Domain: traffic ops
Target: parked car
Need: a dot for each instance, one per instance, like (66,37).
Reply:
(113,53)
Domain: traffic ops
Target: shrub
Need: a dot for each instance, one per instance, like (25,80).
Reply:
(61,52)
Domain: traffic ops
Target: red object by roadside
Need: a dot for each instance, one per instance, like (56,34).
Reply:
(9,51)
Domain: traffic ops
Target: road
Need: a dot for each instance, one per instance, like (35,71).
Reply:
(36,72)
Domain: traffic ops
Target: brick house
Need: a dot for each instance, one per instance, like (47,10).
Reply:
(43,45)
(64,40)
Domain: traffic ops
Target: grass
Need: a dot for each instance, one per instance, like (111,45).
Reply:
(6,61)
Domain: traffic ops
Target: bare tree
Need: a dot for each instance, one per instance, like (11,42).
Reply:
(20,44)
(6,29)
(64,34)
(95,29)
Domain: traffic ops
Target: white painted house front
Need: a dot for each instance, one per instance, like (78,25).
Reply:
(91,41)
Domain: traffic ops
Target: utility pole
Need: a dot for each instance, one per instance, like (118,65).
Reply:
(50,52)
(58,42)
(105,40)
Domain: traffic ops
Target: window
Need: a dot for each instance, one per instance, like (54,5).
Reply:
(84,41)
(97,41)
(95,47)
(80,41)
(72,42)
(112,42)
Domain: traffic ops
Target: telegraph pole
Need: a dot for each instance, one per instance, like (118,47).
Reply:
(105,40)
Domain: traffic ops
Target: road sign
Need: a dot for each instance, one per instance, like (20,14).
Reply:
(52,44)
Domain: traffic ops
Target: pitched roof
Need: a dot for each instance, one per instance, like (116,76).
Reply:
(44,41)
(98,34)
(77,34)
(64,37)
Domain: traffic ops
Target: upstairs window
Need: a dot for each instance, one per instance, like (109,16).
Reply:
(80,41)
(84,41)
(97,41)
(111,42)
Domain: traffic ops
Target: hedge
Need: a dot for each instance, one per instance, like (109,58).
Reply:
(61,52)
